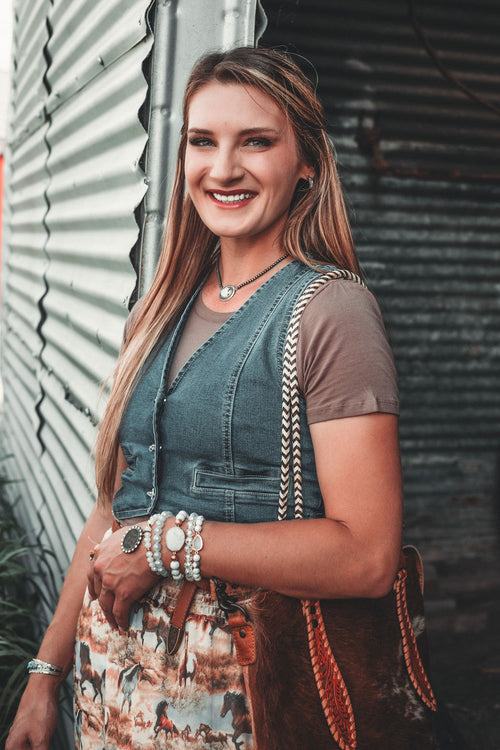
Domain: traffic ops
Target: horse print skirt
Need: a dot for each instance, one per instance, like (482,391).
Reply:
(128,693)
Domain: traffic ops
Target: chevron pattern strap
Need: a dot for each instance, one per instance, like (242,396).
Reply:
(290,430)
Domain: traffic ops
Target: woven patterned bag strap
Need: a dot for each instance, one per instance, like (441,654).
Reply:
(332,690)
(290,423)
(334,696)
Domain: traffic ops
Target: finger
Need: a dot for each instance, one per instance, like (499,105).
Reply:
(24,742)
(90,582)
(94,583)
(121,612)
(91,575)
(107,601)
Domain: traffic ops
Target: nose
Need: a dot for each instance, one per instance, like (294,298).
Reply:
(226,166)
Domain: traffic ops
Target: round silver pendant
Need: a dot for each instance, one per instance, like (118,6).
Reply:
(227,292)
(175,538)
(131,539)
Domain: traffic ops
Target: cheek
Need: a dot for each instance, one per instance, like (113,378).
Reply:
(193,169)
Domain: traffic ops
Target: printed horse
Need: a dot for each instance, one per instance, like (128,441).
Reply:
(156,625)
(130,677)
(163,722)
(236,702)
(78,727)
(88,674)
(140,721)
(186,734)
(80,713)
(187,666)
(209,736)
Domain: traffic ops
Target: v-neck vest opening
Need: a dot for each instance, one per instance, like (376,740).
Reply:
(212,438)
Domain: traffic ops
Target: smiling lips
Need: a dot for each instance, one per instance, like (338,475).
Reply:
(231,199)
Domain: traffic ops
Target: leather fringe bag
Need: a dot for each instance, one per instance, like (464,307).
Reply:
(341,673)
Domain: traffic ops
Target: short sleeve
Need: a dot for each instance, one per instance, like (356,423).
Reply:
(344,362)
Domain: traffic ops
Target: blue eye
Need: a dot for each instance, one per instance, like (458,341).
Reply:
(200,141)
(258,141)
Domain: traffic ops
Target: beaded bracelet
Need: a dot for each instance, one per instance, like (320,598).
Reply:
(174,539)
(152,543)
(147,541)
(38,666)
(194,545)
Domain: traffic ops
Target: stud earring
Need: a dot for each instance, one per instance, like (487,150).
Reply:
(310,180)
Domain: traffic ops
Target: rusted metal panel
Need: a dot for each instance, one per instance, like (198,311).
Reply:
(420,163)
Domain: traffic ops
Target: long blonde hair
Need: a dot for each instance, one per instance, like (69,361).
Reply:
(317,228)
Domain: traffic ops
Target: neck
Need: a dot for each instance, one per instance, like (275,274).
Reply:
(239,269)
(237,264)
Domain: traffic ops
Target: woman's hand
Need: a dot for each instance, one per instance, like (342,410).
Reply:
(118,579)
(36,717)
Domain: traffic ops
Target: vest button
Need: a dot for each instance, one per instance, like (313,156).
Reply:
(152,447)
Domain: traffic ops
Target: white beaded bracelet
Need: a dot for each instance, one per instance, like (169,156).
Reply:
(194,545)
(153,543)
(174,539)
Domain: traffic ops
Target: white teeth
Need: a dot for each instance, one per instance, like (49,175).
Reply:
(232,198)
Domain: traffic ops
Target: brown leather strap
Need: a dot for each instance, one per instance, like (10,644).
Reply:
(178,619)
(411,654)
(243,638)
(181,611)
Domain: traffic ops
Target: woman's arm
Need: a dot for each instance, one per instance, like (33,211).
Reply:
(37,714)
(353,552)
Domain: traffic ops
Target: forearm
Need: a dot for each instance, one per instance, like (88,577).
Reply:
(318,558)
(354,551)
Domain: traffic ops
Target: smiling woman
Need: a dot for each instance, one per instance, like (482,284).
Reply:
(242,180)
(190,448)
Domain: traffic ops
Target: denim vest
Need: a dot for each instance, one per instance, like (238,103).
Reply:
(211,441)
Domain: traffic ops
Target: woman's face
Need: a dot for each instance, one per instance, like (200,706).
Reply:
(241,162)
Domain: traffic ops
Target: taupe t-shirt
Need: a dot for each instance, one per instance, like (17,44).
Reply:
(344,361)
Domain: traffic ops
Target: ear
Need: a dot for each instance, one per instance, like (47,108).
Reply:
(309,175)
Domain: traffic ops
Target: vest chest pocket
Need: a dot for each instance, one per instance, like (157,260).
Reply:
(243,498)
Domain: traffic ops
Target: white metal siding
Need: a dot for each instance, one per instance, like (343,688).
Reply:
(93,101)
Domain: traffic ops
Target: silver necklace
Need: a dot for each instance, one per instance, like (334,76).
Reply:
(229,290)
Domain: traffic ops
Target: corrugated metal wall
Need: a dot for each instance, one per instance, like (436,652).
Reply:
(74,183)
(94,130)
(87,87)
(80,165)
(420,162)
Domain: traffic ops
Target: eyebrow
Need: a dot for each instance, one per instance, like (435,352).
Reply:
(246,131)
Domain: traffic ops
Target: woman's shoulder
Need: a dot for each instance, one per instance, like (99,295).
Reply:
(341,295)
(344,360)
